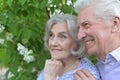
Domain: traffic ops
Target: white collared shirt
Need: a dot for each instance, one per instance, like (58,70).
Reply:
(110,68)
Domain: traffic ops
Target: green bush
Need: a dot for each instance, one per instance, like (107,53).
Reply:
(22,24)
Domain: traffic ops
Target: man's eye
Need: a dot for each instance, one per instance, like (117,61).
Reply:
(86,25)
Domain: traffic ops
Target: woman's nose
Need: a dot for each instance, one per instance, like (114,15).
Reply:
(54,41)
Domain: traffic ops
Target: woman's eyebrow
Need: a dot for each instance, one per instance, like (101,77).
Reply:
(63,33)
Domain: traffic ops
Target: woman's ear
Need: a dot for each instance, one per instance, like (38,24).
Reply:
(116,24)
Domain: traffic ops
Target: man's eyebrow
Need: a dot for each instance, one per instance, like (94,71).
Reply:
(82,21)
(85,22)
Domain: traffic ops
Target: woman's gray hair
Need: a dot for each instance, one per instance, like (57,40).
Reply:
(71,21)
(104,9)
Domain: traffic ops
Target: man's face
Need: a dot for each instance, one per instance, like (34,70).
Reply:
(93,31)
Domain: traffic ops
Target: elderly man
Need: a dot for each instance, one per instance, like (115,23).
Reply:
(99,28)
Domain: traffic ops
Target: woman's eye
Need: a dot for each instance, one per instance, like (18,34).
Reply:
(50,34)
(62,36)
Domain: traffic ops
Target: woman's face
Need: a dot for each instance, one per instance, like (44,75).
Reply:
(60,42)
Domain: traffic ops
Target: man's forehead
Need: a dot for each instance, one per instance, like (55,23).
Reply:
(86,14)
(82,20)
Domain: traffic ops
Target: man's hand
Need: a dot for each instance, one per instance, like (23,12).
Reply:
(84,75)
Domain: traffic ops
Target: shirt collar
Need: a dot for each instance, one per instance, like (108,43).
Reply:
(115,54)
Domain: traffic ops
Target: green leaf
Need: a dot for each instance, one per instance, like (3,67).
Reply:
(27,34)
(13,29)
(43,4)
(4,58)
(93,58)
(22,2)
(14,69)
(57,1)
(9,2)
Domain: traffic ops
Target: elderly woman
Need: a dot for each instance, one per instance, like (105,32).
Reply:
(67,53)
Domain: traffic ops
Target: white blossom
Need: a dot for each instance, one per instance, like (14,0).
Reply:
(1,28)
(22,50)
(28,58)
(27,54)
(69,2)
(20,47)
(19,69)
(2,77)
(9,36)
(10,75)
(2,41)
(2,73)
(34,69)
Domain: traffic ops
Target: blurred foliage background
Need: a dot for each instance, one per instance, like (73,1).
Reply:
(22,24)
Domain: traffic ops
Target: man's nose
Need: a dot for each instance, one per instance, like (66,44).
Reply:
(81,34)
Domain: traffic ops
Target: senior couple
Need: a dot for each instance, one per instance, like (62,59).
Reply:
(96,31)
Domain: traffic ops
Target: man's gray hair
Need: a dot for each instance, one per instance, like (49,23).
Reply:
(104,9)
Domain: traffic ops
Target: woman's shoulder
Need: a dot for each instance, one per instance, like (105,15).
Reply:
(88,65)
(85,62)
(40,75)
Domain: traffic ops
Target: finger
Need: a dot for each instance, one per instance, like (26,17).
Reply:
(82,75)
(87,74)
(77,77)
(55,62)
